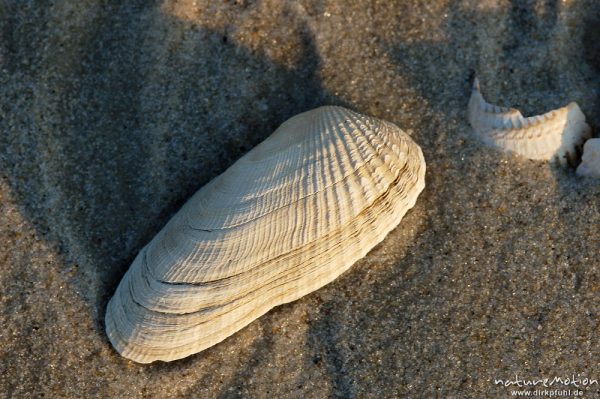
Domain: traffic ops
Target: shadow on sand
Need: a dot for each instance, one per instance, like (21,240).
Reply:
(136,109)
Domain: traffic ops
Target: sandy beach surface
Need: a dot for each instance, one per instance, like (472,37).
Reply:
(113,113)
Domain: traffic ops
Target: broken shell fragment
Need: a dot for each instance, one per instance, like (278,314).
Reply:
(554,135)
(590,160)
(284,220)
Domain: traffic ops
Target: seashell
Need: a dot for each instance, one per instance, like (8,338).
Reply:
(553,135)
(590,161)
(285,219)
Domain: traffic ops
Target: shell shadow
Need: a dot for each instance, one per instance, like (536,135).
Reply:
(545,83)
(144,108)
(560,70)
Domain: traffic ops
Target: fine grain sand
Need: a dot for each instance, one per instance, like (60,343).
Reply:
(112,115)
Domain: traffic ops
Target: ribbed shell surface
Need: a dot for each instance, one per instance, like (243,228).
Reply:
(553,135)
(287,218)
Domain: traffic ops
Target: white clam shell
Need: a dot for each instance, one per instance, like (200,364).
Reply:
(287,218)
(590,161)
(554,135)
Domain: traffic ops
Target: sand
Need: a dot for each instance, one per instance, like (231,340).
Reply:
(111,116)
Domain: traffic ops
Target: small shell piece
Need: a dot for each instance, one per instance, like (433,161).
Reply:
(590,161)
(287,218)
(553,135)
